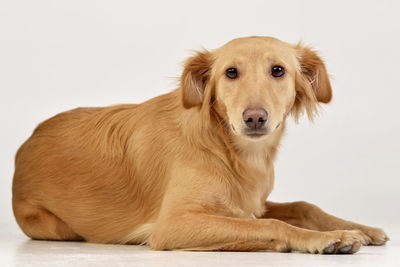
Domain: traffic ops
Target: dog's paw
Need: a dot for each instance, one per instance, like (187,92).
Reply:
(333,242)
(349,243)
(373,236)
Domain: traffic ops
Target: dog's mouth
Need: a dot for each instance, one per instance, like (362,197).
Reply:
(256,135)
(252,133)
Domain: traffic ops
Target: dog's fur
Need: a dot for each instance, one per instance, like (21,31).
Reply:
(177,171)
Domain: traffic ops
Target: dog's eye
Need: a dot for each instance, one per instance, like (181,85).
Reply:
(231,73)
(277,71)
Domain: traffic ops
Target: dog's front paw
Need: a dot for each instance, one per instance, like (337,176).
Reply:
(349,243)
(373,236)
(333,242)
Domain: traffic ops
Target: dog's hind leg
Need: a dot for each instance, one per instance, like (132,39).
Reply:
(39,223)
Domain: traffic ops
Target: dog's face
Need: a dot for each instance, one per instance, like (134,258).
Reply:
(254,82)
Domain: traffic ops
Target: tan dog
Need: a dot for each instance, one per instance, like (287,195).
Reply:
(190,169)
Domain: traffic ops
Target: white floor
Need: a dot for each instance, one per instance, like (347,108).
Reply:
(17,250)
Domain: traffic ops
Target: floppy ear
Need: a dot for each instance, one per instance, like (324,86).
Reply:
(194,78)
(312,82)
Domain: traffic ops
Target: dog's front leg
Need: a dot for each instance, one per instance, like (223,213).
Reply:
(199,231)
(309,216)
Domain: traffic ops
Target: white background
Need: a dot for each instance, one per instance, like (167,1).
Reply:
(58,55)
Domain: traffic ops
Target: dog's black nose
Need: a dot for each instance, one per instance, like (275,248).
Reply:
(255,118)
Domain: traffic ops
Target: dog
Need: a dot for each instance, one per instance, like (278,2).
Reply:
(187,170)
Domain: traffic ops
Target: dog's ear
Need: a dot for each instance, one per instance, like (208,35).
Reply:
(195,77)
(312,82)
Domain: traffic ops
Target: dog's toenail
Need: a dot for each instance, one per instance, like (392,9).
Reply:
(329,250)
(345,249)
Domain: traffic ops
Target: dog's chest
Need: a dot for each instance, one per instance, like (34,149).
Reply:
(258,185)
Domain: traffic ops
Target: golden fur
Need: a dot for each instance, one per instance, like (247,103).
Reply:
(177,172)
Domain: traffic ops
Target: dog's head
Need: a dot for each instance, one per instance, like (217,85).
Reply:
(253,83)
